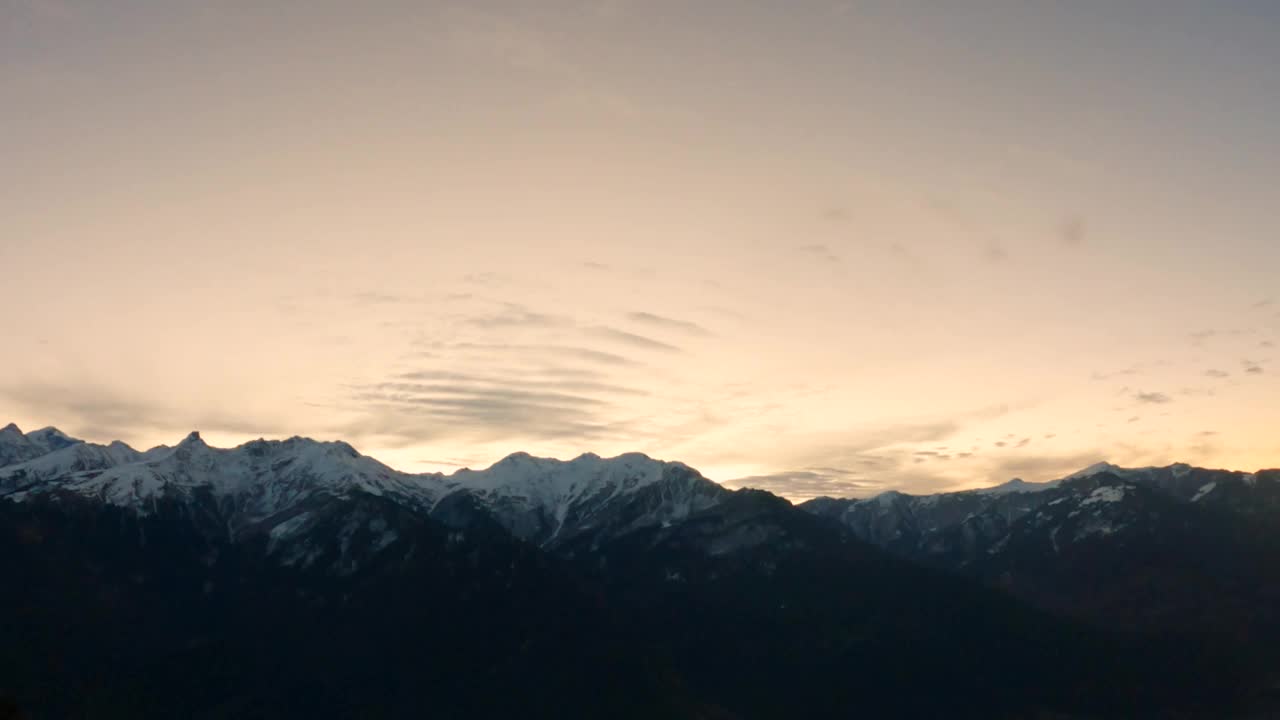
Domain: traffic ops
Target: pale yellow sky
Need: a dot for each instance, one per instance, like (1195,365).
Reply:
(816,247)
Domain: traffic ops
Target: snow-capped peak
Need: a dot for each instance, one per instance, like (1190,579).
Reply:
(266,482)
(71,461)
(1018,485)
(258,479)
(1095,469)
(16,447)
(548,501)
(556,481)
(50,439)
(51,431)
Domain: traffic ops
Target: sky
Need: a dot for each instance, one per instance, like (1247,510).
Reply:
(816,247)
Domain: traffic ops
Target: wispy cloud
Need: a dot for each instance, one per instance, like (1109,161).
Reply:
(527,352)
(373,297)
(1072,232)
(1201,336)
(995,252)
(1125,372)
(91,410)
(665,323)
(622,337)
(818,251)
(410,413)
(803,485)
(864,461)
(1039,468)
(1152,398)
(513,315)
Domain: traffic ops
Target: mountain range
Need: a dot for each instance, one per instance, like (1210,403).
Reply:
(297,578)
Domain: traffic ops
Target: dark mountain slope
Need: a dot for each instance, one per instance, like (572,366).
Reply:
(287,579)
(127,616)
(776,613)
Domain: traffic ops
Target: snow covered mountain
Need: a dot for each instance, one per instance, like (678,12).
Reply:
(550,502)
(15,446)
(951,530)
(1174,548)
(194,580)
(272,486)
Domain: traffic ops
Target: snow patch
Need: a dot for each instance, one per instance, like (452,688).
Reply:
(1108,494)
(286,528)
(1203,491)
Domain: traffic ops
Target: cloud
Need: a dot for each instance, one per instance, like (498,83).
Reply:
(514,393)
(666,323)
(527,352)
(800,485)
(631,339)
(551,379)
(852,463)
(448,395)
(102,414)
(448,462)
(1072,232)
(1252,368)
(811,482)
(1042,468)
(412,413)
(484,279)
(1200,336)
(378,298)
(835,214)
(1214,373)
(1103,376)
(819,251)
(1153,398)
(513,315)
(994,252)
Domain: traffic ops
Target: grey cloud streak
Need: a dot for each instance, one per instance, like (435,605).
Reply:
(806,484)
(512,315)
(666,323)
(102,414)
(631,339)
(533,351)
